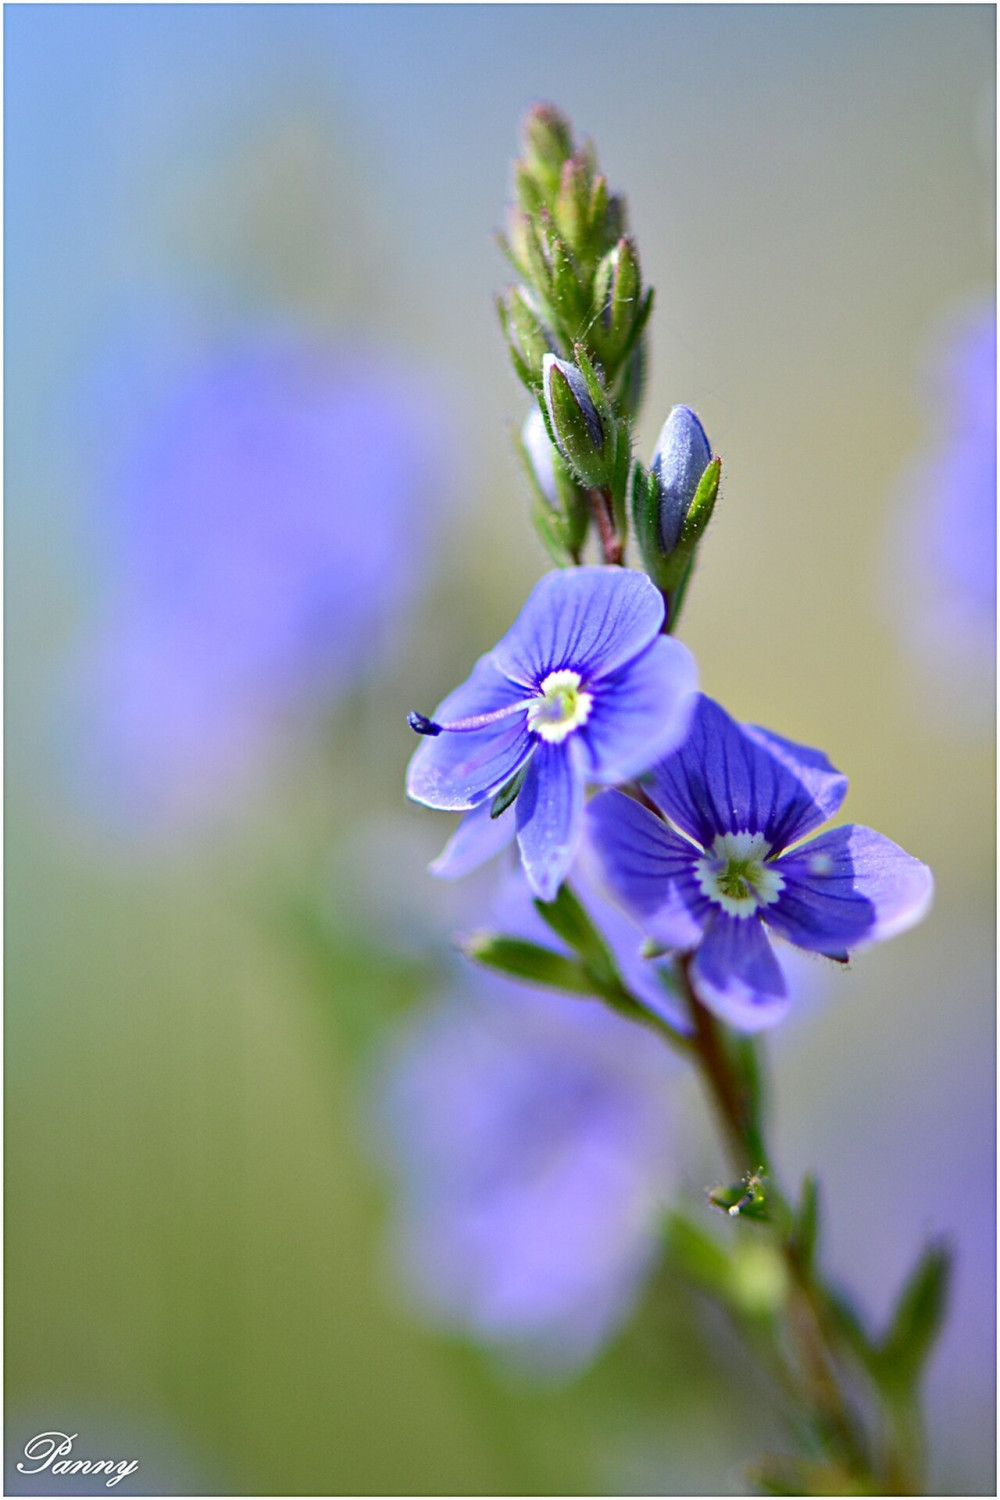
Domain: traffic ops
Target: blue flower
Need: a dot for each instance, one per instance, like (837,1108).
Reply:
(269,519)
(581,688)
(530,1138)
(739,797)
(939,567)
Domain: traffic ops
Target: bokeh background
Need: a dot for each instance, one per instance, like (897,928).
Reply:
(260,502)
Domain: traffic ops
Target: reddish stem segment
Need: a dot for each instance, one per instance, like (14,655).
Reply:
(604,515)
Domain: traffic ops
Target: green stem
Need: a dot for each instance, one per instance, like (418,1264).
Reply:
(809,1329)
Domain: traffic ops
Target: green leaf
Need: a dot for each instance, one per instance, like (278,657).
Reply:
(528,961)
(698,1255)
(806,1231)
(850,1326)
(917,1319)
(569,920)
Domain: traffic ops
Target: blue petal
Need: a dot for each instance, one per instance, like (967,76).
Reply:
(588,620)
(550,815)
(846,888)
(456,771)
(476,839)
(727,778)
(736,974)
(641,712)
(648,869)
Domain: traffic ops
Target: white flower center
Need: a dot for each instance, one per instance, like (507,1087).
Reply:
(734,874)
(561,707)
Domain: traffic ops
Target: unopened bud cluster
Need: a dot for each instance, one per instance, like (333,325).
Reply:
(575,329)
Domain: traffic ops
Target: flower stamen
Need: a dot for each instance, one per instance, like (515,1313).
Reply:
(736,875)
(562,706)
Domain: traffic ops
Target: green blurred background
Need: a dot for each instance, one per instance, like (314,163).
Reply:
(194,1258)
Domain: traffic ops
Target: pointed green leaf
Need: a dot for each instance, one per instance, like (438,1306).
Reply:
(917,1319)
(569,920)
(528,961)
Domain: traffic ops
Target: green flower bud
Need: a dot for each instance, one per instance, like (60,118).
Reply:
(576,421)
(527,335)
(548,140)
(618,297)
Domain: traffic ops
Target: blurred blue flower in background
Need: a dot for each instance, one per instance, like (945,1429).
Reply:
(269,523)
(530,1138)
(941,560)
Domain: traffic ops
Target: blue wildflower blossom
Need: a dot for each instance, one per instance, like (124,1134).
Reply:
(739,798)
(939,567)
(581,688)
(529,1135)
(268,517)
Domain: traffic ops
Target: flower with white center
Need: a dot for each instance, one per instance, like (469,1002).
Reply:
(738,798)
(583,687)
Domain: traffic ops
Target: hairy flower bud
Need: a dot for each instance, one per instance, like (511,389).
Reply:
(527,334)
(561,512)
(575,419)
(548,141)
(618,299)
(682,455)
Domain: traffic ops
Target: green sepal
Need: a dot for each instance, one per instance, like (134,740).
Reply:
(592,462)
(539,270)
(569,300)
(508,794)
(562,532)
(547,137)
(551,529)
(646,525)
(597,217)
(595,386)
(570,210)
(528,961)
(521,369)
(504,243)
(916,1321)
(701,507)
(639,326)
(523,327)
(616,299)
(530,195)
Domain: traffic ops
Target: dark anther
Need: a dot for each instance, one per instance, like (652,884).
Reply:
(423,725)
